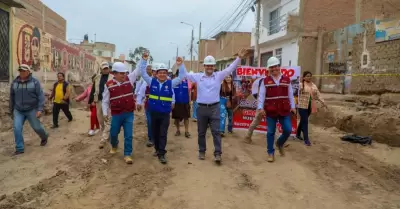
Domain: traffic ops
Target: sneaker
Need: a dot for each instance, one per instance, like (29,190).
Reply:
(187,134)
(222,134)
(96,131)
(247,140)
(162,159)
(271,158)
(128,159)
(113,150)
(149,144)
(307,142)
(218,159)
(19,152)
(54,127)
(202,156)
(102,144)
(280,148)
(43,142)
(230,132)
(91,133)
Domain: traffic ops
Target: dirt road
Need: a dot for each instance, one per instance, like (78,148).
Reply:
(72,173)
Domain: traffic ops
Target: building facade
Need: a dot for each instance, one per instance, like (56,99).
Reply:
(101,49)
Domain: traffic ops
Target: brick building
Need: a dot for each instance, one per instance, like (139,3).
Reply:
(101,49)
(41,16)
(296,31)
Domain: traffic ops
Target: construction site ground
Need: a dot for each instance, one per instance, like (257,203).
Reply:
(72,173)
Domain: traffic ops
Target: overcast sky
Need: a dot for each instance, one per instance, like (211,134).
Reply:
(148,23)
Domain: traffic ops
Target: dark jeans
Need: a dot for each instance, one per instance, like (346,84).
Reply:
(209,116)
(56,111)
(159,129)
(303,124)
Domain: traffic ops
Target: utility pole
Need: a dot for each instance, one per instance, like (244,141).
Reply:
(177,50)
(191,50)
(198,54)
(257,46)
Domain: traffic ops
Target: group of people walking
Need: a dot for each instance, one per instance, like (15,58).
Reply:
(114,96)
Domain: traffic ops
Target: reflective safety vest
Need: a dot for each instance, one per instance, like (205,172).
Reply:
(277,101)
(121,96)
(182,93)
(160,99)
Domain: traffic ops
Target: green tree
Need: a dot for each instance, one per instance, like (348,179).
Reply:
(136,55)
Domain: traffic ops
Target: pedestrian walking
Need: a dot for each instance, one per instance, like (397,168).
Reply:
(161,101)
(181,109)
(26,103)
(227,95)
(143,96)
(141,81)
(85,96)
(309,94)
(61,93)
(276,101)
(119,99)
(208,99)
(96,96)
(258,117)
(193,97)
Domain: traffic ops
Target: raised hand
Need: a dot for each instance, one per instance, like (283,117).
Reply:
(145,56)
(179,61)
(243,53)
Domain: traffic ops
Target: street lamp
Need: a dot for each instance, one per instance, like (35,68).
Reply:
(177,48)
(191,44)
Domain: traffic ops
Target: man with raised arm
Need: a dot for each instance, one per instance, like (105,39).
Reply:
(208,111)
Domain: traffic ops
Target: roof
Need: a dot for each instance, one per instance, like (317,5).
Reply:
(13,3)
(219,34)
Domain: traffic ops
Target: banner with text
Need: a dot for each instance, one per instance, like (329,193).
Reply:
(245,109)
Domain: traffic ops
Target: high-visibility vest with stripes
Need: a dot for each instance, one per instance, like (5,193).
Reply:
(121,96)
(277,101)
(160,99)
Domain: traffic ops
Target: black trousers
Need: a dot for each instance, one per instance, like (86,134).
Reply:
(56,111)
(159,129)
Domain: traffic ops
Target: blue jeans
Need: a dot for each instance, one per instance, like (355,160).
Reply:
(148,118)
(286,123)
(224,112)
(19,120)
(124,120)
(195,110)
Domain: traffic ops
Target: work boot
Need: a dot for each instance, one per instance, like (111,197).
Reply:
(102,144)
(218,159)
(113,150)
(19,152)
(247,140)
(43,142)
(202,156)
(128,159)
(280,149)
(54,127)
(271,158)
(162,159)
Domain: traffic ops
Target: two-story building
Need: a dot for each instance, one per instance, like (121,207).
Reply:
(228,44)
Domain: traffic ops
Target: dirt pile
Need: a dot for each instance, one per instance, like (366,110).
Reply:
(361,115)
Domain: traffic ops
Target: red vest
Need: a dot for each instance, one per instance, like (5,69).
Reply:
(121,96)
(147,97)
(277,101)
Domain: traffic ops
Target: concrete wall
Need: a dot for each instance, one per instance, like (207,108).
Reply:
(38,14)
(230,43)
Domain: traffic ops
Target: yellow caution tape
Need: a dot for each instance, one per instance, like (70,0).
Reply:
(355,75)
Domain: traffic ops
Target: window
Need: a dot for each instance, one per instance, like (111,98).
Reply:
(252,61)
(274,22)
(264,58)
(278,54)
(99,53)
(4,46)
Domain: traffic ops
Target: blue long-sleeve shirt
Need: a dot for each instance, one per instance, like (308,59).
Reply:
(26,95)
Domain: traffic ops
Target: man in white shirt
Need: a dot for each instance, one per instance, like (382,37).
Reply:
(208,96)
(257,119)
(149,71)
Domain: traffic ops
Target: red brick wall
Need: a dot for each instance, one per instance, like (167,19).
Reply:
(334,14)
(53,24)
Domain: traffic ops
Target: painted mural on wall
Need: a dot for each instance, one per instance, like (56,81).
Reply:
(387,29)
(47,55)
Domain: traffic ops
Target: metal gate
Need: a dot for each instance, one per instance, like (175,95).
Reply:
(4,45)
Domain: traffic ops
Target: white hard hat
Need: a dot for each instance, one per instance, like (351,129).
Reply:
(209,60)
(273,61)
(162,67)
(119,67)
(170,70)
